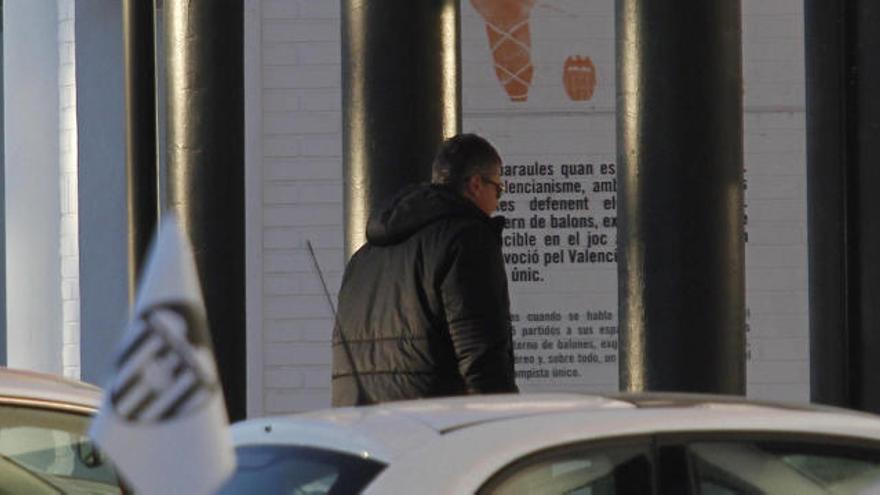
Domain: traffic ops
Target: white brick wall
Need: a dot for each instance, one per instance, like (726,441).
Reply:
(775,162)
(300,176)
(301,147)
(68,190)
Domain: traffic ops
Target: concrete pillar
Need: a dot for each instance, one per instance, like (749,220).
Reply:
(32,161)
(680,232)
(100,101)
(401,97)
(843,149)
(205,146)
(142,177)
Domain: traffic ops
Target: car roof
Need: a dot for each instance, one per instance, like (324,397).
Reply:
(47,390)
(387,430)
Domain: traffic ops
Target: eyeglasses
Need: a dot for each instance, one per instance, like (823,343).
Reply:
(499,187)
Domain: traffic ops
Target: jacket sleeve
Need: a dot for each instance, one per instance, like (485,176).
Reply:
(477,310)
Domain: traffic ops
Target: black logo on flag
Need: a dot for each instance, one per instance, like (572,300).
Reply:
(166,368)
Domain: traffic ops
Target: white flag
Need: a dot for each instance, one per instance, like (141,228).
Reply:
(163,421)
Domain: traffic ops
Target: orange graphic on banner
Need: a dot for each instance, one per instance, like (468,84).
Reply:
(579,77)
(507,24)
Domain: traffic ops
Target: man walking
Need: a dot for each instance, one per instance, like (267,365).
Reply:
(424,309)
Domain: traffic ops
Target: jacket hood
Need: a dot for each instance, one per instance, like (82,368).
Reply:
(416,206)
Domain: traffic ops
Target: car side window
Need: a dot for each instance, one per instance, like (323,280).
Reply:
(803,467)
(578,470)
(47,451)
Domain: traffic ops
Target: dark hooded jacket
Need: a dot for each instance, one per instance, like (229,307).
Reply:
(424,308)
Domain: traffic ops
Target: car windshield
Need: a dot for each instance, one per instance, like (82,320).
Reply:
(47,451)
(276,469)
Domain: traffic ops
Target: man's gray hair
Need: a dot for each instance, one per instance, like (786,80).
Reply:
(461,157)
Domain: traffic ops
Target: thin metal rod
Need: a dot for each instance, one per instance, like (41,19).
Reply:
(362,393)
(321,277)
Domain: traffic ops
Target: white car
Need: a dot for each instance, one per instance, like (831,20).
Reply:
(43,443)
(562,444)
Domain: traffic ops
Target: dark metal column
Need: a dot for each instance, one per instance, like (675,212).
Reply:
(843,149)
(140,132)
(205,126)
(680,230)
(4,359)
(401,96)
